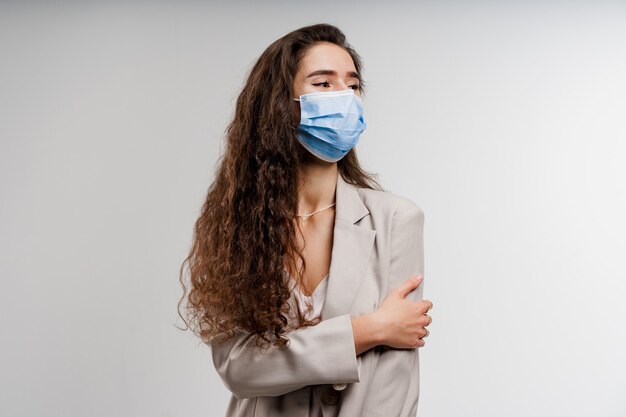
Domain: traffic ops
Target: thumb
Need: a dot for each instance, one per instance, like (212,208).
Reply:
(409,285)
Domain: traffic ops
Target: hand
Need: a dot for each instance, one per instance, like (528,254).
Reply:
(403,322)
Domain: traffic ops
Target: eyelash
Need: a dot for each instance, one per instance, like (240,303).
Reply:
(326,82)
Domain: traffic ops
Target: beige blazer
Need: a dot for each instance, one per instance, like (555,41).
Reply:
(377,245)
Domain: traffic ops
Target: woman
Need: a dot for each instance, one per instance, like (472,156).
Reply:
(304,274)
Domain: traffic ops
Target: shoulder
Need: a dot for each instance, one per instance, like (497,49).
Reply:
(387,204)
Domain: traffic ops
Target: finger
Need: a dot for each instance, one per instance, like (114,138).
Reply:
(409,285)
(423,304)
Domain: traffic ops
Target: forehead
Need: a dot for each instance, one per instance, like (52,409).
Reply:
(326,55)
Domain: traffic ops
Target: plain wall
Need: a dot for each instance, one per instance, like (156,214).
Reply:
(504,121)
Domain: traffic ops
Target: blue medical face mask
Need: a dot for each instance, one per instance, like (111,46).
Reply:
(330,123)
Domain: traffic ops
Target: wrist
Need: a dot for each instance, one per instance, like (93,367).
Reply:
(365,331)
(377,328)
(368,332)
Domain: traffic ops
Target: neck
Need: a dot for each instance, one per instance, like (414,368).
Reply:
(318,180)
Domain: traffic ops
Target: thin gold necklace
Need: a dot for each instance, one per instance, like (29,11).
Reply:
(315,212)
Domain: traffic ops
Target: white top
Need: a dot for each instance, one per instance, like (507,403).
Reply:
(316,299)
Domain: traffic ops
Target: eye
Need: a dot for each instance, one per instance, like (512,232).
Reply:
(355,87)
(324,82)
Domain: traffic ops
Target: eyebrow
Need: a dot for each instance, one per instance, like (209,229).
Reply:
(331,72)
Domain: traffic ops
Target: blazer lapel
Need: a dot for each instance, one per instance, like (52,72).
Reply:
(352,246)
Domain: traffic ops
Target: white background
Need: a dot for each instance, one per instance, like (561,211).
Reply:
(504,121)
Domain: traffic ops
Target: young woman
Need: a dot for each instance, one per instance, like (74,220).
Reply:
(304,273)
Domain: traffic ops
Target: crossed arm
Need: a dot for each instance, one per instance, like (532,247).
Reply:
(326,353)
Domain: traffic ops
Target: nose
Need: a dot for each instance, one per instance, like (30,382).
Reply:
(341,85)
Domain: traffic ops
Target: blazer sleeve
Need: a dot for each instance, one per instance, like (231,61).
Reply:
(395,382)
(320,354)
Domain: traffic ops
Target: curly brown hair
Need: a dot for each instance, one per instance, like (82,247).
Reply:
(246,233)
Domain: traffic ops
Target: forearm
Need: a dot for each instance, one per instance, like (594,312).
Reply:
(368,332)
(320,354)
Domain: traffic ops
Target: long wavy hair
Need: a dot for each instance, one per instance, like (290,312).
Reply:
(245,236)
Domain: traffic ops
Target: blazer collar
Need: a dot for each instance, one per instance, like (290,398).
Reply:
(352,246)
(348,203)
